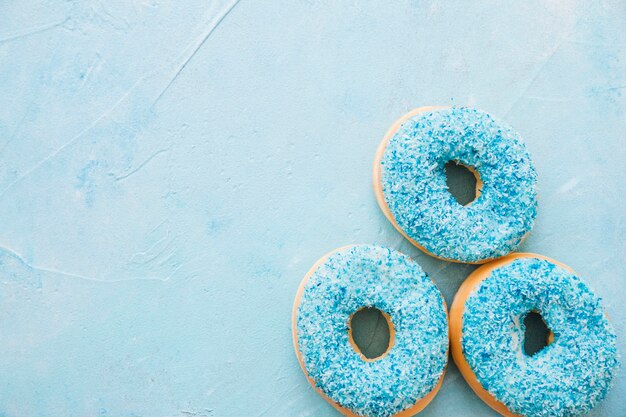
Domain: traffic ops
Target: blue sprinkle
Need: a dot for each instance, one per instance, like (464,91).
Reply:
(566,378)
(414,184)
(372,276)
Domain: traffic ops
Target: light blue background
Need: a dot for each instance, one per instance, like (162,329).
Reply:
(170,170)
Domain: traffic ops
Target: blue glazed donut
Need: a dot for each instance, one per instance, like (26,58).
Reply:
(410,183)
(404,379)
(570,375)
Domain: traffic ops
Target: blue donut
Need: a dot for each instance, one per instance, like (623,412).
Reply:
(404,379)
(570,375)
(410,183)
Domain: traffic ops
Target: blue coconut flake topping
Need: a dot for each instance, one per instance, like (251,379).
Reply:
(566,378)
(372,276)
(415,190)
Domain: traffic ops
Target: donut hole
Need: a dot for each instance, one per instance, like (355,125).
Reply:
(463,182)
(371,333)
(537,334)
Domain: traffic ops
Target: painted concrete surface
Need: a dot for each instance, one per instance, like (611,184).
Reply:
(170,170)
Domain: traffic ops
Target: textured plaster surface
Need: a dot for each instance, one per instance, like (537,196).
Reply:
(169,171)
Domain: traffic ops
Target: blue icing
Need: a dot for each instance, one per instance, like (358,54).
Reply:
(414,184)
(373,276)
(566,378)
